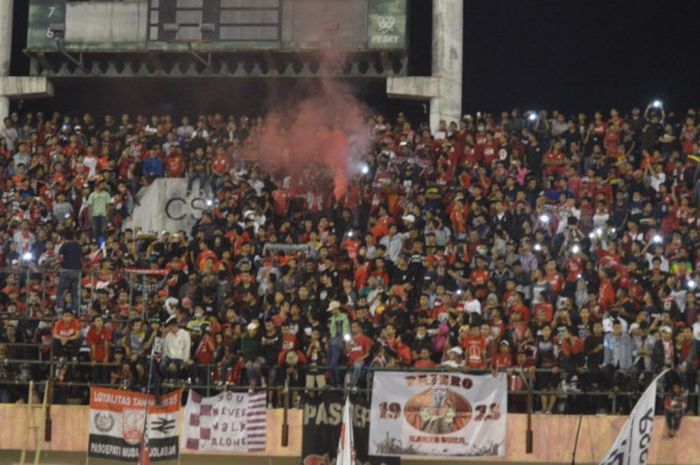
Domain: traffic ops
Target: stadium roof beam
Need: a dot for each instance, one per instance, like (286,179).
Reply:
(15,86)
(444,88)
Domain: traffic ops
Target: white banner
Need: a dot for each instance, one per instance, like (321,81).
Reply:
(632,444)
(229,422)
(346,443)
(449,414)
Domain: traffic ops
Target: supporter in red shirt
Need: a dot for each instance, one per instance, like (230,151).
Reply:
(175,164)
(66,336)
(358,350)
(555,161)
(99,340)
(504,357)
(424,360)
(474,345)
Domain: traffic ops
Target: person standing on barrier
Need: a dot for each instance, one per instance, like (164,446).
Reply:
(98,203)
(199,170)
(70,256)
(617,357)
(675,404)
(250,350)
(339,327)
(358,350)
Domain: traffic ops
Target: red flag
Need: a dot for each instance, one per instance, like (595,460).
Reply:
(145,458)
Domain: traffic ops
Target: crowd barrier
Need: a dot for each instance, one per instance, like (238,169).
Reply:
(553,437)
(138,285)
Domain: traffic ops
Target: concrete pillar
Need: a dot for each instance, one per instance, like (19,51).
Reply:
(5,49)
(14,86)
(444,88)
(5,36)
(4,107)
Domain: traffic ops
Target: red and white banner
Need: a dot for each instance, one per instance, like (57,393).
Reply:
(438,414)
(117,420)
(229,422)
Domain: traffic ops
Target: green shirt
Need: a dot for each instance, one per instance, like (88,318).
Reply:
(98,202)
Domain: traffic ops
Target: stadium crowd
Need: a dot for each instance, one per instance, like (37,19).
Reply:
(561,248)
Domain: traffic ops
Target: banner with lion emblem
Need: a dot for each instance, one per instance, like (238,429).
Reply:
(117,420)
(450,414)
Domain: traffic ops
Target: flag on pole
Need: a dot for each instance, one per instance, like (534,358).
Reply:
(346,444)
(632,444)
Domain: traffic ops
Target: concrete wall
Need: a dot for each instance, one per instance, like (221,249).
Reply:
(106,21)
(553,437)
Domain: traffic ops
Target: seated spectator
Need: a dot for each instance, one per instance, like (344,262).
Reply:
(675,404)
(176,352)
(66,336)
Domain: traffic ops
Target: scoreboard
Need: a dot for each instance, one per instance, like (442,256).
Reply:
(215,25)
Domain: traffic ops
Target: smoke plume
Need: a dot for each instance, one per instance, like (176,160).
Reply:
(316,135)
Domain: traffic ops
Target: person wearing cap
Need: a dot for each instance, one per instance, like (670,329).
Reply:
(339,331)
(664,355)
(503,359)
(453,358)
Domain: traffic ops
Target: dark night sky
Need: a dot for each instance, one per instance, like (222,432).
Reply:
(585,55)
(556,54)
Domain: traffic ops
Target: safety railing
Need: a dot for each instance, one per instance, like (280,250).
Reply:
(36,288)
(580,401)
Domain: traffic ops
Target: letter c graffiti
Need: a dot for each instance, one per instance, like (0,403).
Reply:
(172,207)
(175,208)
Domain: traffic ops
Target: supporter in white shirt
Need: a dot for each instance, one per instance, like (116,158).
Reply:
(23,238)
(610,319)
(393,242)
(471,303)
(441,133)
(9,133)
(90,161)
(453,358)
(176,346)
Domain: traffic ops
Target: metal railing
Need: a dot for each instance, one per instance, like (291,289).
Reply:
(32,285)
(612,399)
(39,357)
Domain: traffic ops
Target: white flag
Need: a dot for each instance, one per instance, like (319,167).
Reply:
(632,444)
(346,444)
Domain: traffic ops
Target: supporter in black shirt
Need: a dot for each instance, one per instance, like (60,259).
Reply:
(71,263)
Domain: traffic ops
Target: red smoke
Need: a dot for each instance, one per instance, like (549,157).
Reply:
(316,135)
